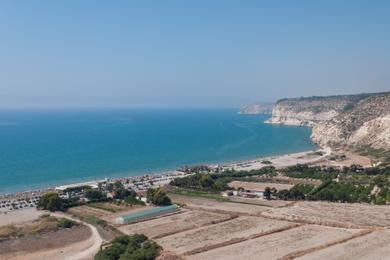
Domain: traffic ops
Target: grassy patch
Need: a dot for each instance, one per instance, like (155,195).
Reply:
(202,194)
(43,225)
(103,206)
(95,221)
(381,154)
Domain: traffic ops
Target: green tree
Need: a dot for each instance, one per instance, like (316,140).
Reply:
(123,193)
(135,247)
(157,197)
(95,195)
(206,181)
(267,193)
(51,201)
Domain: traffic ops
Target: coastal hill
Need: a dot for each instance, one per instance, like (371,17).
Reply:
(366,124)
(255,109)
(354,121)
(306,111)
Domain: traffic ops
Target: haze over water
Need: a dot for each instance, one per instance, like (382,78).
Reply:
(41,149)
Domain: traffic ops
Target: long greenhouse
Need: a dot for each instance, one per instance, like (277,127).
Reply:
(146,214)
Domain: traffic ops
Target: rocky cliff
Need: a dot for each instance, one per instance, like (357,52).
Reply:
(367,124)
(307,111)
(353,121)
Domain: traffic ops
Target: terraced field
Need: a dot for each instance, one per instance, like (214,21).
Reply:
(278,245)
(297,230)
(164,226)
(336,214)
(231,231)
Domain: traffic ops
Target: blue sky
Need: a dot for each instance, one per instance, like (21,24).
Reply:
(189,53)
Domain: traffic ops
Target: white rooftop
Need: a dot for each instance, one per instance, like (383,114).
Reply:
(92,184)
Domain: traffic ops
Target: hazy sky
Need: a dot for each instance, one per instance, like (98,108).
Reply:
(189,53)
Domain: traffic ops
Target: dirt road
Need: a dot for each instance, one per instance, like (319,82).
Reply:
(94,241)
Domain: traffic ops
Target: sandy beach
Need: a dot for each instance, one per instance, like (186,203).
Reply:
(279,161)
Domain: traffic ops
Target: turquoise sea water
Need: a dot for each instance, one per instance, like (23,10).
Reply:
(45,148)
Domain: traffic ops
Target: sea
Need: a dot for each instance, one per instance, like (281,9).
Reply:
(40,149)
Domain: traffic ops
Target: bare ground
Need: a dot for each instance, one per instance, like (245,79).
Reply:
(278,245)
(197,239)
(164,226)
(20,247)
(371,246)
(261,202)
(83,211)
(20,216)
(334,214)
(325,231)
(259,185)
(217,206)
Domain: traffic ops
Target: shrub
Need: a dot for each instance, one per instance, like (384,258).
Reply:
(134,201)
(51,201)
(135,247)
(123,193)
(157,197)
(65,223)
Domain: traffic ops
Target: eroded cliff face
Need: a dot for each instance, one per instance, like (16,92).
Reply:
(284,115)
(353,121)
(367,124)
(311,110)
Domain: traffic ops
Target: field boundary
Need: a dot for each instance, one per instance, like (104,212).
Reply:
(239,240)
(213,222)
(303,252)
(333,224)
(221,211)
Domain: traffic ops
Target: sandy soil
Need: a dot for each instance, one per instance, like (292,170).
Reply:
(336,214)
(174,223)
(351,158)
(20,216)
(259,185)
(282,160)
(83,211)
(372,246)
(277,245)
(218,233)
(33,243)
(217,206)
(261,202)
(291,181)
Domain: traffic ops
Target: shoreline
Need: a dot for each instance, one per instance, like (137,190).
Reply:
(279,161)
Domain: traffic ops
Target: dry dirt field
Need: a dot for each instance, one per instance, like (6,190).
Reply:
(198,239)
(372,246)
(164,226)
(28,247)
(259,185)
(297,230)
(278,245)
(83,211)
(20,216)
(334,214)
(217,206)
(261,202)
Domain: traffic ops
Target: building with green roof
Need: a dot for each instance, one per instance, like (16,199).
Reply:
(146,214)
